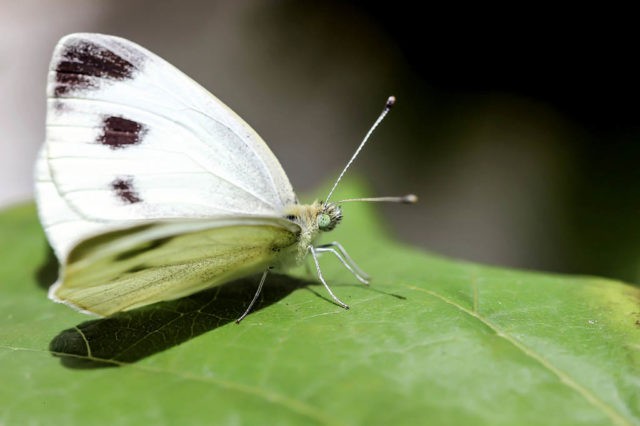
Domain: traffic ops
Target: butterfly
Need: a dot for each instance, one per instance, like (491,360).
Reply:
(150,189)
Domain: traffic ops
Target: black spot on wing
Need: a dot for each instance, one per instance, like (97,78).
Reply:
(82,61)
(120,132)
(124,190)
(60,107)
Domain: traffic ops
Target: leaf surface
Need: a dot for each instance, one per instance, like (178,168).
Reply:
(432,340)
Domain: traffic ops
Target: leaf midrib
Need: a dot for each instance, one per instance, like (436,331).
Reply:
(615,416)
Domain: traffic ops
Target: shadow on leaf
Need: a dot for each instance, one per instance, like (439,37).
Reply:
(47,273)
(128,337)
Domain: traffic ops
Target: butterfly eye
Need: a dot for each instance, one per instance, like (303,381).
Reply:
(324,221)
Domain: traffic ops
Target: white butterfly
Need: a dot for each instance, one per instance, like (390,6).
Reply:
(149,188)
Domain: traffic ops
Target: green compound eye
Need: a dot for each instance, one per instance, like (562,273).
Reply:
(324,221)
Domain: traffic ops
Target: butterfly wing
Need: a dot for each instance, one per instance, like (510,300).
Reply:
(153,262)
(130,138)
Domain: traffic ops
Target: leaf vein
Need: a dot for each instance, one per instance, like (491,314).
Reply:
(616,417)
(265,394)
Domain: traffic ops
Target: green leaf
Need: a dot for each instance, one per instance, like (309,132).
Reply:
(431,341)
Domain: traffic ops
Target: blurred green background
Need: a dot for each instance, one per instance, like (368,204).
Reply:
(518,129)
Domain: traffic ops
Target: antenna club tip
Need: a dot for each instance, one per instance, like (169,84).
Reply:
(410,199)
(390,102)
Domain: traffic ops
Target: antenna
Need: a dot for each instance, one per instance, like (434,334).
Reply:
(405,199)
(387,108)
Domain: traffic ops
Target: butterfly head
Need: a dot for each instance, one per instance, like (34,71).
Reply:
(329,216)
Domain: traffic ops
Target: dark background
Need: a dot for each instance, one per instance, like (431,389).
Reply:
(579,66)
(517,127)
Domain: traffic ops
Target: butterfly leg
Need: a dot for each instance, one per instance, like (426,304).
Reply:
(307,267)
(339,251)
(255,297)
(314,255)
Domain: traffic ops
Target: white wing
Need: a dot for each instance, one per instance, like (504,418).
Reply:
(130,138)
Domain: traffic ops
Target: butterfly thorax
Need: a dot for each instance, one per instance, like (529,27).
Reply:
(312,218)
